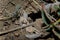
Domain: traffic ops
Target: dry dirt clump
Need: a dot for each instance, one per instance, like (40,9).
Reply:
(16,14)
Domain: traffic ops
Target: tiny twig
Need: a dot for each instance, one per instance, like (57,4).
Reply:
(11,30)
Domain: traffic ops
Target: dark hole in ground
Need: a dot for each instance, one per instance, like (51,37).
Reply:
(48,1)
(35,16)
(59,0)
